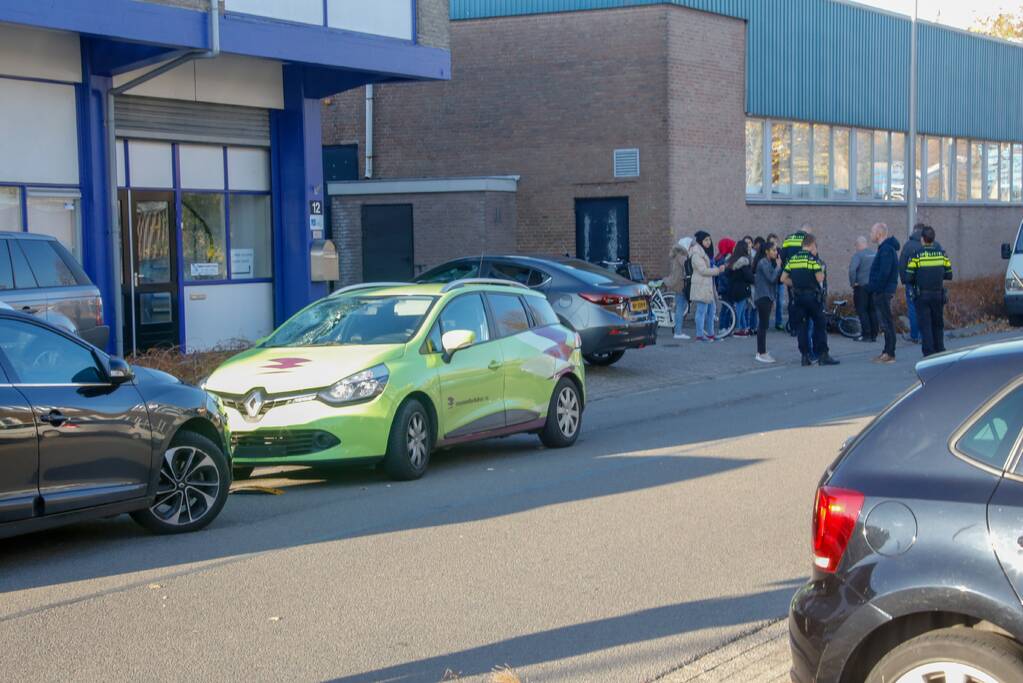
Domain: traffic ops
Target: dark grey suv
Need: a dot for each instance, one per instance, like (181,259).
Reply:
(918,536)
(40,277)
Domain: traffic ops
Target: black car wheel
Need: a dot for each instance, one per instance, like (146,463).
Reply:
(410,442)
(952,654)
(193,487)
(603,359)
(564,416)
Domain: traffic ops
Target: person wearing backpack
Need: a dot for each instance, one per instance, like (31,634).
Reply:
(679,281)
(738,277)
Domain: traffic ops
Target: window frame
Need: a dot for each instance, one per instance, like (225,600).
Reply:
(495,328)
(491,327)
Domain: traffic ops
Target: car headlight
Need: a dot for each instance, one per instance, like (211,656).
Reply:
(361,386)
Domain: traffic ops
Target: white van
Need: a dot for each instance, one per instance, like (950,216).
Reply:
(1013,253)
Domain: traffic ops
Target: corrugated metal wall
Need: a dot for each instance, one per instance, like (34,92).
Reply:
(833,62)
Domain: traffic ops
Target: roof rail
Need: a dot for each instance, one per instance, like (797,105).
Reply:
(481,281)
(366,285)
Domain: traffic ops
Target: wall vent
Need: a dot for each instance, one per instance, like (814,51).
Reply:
(626,163)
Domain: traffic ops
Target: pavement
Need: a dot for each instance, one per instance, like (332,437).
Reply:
(664,546)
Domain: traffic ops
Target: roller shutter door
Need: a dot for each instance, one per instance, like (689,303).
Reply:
(182,121)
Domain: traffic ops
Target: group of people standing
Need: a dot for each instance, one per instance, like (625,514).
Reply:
(766,270)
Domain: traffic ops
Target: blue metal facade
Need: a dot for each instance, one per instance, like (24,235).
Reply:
(833,62)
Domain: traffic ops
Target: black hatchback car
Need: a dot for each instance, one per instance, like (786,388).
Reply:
(610,313)
(918,535)
(83,435)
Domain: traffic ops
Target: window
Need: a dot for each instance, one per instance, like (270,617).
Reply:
(841,187)
(781,159)
(543,314)
(990,439)
(49,268)
(754,157)
(466,313)
(821,162)
(458,270)
(6,274)
(1005,172)
(932,168)
(23,277)
(509,315)
(962,170)
(1017,173)
(948,184)
(40,356)
(10,208)
(202,236)
(898,189)
(864,164)
(921,185)
(801,160)
(521,274)
(880,165)
(991,171)
(56,215)
(976,171)
(251,251)
(352,319)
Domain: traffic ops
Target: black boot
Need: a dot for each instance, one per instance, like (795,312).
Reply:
(826,359)
(806,360)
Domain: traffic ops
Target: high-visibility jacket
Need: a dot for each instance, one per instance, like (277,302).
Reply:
(802,269)
(791,245)
(928,270)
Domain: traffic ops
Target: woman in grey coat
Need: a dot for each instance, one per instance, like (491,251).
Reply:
(766,271)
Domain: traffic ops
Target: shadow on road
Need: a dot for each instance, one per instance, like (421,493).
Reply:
(592,636)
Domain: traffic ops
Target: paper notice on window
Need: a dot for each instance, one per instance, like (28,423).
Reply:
(205,269)
(242,263)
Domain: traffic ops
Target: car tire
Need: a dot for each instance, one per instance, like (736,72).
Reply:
(242,472)
(603,359)
(1016,320)
(564,416)
(194,483)
(956,649)
(410,442)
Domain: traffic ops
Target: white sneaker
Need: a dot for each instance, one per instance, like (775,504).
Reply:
(765,358)
(682,336)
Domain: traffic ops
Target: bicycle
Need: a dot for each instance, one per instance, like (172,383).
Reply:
(846,325)
(663,306)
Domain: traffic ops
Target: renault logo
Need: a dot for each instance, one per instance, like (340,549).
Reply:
(253,403)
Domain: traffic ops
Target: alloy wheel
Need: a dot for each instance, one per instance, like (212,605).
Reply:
(188,488)
(568,412)
(416,440)
(945,672)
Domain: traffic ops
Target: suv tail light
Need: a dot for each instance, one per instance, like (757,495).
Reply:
(97,311)
(834,520)
(605,299)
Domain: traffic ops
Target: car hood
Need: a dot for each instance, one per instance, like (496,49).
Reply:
(290,369)
(145,377)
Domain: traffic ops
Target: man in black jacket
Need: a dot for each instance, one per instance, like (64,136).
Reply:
(926,274)
(884,281)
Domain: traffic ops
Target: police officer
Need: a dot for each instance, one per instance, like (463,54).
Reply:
(804,275)
(790,246)
(926,273)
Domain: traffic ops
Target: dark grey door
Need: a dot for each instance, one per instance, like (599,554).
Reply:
(19,456)
(602,229)
(95,442)
(150,270)
(387,243)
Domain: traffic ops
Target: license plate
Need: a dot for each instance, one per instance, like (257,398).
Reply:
(639,306)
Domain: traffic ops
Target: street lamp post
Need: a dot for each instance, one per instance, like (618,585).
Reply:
(911,173)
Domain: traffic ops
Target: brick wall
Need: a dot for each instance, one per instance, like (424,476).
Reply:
(433,23)
(545,97)
(444,226)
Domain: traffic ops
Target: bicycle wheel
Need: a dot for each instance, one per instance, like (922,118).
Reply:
(725,320)
(849,326)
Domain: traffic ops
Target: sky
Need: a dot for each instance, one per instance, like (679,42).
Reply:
(958,13)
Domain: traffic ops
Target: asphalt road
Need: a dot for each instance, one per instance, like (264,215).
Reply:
(677,524)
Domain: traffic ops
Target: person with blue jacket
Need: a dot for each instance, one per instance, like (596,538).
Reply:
(884,281)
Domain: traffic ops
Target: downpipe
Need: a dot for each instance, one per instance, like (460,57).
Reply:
(111,133)
(369,131)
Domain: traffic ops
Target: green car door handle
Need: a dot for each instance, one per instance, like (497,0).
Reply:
(494,365)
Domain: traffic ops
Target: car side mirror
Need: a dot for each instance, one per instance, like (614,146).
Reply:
(1006,251)
(119,372)
(456,340)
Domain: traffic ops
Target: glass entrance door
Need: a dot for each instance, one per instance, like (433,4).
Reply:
(150,270)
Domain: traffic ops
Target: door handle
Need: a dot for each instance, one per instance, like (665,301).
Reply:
(54,418)
(494,365)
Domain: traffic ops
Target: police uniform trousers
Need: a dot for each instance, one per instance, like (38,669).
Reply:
(807,307)
(930,315)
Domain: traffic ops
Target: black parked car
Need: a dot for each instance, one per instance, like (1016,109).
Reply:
(610,313)
(85,436)
(918,536)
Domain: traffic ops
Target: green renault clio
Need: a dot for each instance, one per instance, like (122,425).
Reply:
(390,371)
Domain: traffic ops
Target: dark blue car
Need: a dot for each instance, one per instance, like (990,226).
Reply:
(918,536)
